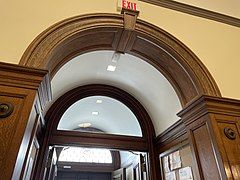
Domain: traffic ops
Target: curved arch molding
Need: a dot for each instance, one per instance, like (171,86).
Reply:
(60,43)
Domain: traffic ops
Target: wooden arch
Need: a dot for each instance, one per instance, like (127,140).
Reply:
(71,37)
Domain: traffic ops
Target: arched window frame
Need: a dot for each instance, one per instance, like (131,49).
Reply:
(85,155)
(91,167)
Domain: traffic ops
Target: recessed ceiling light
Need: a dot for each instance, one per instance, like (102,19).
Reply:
(111,68)
(99,101)
(85,125)
(95,113)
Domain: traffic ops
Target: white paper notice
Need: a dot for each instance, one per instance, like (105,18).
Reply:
(175,160)
(185,173)
(166,164)
(170,175)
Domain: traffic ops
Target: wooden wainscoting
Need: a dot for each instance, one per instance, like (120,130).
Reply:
(211,126)
(22,91)
(171,137)
(213,130)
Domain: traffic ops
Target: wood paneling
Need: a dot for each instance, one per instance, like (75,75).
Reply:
(20,87)
(173,136)
(216,155)
(229,148)
(203,146)
(8,133)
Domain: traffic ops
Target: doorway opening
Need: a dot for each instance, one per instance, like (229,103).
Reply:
(84,163)
(102,117)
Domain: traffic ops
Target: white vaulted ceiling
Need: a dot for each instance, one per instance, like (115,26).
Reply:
(132,75)
(113,116)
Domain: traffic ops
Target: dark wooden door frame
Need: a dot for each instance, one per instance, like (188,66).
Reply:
(52,136)
(77,35)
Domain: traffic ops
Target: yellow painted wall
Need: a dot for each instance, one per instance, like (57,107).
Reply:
(216,44)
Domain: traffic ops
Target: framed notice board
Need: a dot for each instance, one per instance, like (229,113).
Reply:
(177,163)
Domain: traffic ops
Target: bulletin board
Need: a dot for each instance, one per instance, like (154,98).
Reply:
(177,164)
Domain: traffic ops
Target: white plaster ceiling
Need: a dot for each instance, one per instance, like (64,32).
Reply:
(132,74)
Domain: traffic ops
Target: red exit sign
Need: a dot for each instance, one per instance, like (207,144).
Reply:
(128,4)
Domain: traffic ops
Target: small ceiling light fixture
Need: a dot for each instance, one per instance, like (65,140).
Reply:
(95,113)
(99,101)
(115,57)
(85,125)
(111,68)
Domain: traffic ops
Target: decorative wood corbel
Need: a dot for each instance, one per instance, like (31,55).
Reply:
(129,21)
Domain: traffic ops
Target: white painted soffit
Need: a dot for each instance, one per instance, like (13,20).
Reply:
(132,74)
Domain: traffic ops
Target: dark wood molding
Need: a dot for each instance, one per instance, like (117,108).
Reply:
(196,11)
(60,43)
(68,138)
(173,136)
(202,105)
(116,159)
(18,76)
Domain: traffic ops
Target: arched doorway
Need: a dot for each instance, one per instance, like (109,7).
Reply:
(55,136)
(78,35)
(81,34)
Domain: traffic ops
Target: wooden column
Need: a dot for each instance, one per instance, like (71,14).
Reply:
(213,127)
(23,94)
